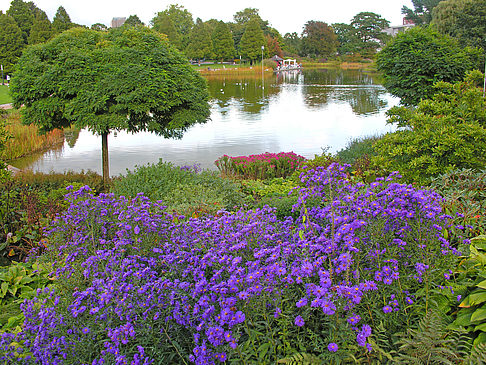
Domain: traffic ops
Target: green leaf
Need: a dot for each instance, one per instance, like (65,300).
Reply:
(477,298)
(4,289)
(479,314)
(480,327)
(482,284)
(262,350)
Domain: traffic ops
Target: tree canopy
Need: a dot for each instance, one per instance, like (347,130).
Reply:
(41,30)
(416,59)
(180,19)
(464,20)
(421,14)
(368,29)
(200,42)
(128,78)
(252,41)
(223,44)
(11,42)
(61,20)
(318,39)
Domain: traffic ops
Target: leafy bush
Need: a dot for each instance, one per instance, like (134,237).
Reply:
(20,281)
(443,133)
(464,295)
(464,192)
(185,190)
(263,166)
(135,283)
(418,58)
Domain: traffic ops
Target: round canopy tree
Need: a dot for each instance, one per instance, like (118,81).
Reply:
(129,78)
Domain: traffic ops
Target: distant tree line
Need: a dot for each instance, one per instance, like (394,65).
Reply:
(25,24)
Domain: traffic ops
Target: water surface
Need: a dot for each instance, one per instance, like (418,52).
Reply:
(301,112)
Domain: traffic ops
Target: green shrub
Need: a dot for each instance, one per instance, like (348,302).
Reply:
(18,282)
(184,191)
(464,192)
(443,133)
(418,58)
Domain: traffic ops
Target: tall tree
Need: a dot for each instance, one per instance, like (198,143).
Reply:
(369,30)
(200,42)
(61,20)
(293,43)
(241,19)
(133,20)
(422,11)
(223,44)
(129,78)
(348,40)
(252,41)
(182,21)
(414,60)
(273,46)
(23,15)
(318,39)
(11,42)
(165,25)
(464,20)
(41,30)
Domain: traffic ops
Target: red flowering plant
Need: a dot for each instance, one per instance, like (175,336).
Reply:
(263,166)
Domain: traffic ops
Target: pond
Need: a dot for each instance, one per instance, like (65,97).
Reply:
(304,112)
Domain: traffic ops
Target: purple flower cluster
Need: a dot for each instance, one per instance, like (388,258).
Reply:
(129,273)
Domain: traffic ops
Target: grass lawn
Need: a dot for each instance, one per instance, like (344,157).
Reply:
(4,95)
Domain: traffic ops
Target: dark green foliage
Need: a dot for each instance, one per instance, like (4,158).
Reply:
(133,20)
(422,11)
(414,60)
(464,297)
(18,282)
(41,30)
(23,15)
(176,22)
(429,343)
(165,25)
(11,43)
(223,44)
(184,191)
(369,32)
(443,133)
(318,40)
(252,41)
(464,20)
(200,42)
(465,197)
(61,20)
(292,43)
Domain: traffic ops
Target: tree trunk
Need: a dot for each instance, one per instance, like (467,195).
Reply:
(104,159)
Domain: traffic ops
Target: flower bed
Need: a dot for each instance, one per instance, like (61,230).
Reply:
(135,284)
(263,166)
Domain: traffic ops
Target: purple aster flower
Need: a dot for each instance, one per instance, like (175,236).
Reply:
(332,347)
(299,321)
(302,302)
(387,309)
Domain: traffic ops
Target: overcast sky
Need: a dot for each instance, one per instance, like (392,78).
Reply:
(284,15)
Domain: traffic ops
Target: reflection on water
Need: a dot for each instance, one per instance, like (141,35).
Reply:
(293,111)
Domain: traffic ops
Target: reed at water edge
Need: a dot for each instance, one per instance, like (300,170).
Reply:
(25,139)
